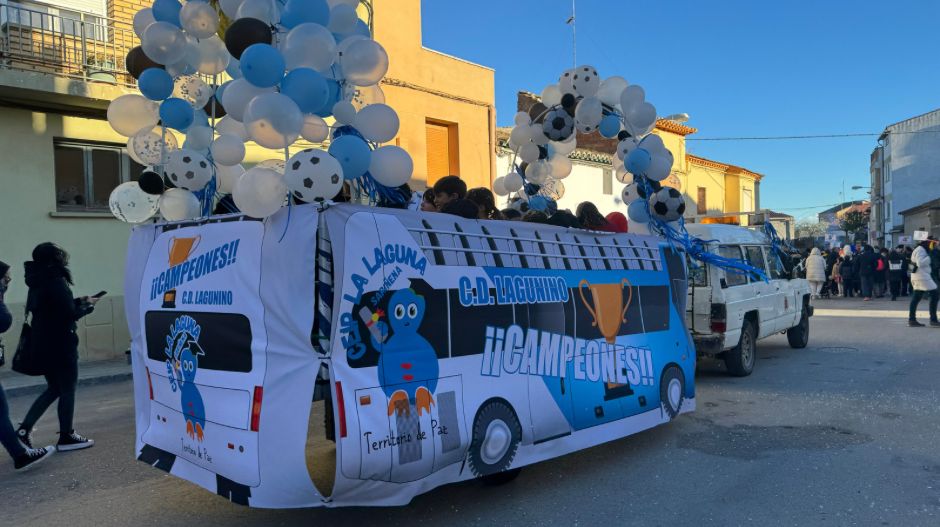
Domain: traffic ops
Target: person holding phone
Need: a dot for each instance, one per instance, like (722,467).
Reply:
(55,313)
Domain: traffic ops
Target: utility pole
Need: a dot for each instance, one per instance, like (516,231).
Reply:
(572,21)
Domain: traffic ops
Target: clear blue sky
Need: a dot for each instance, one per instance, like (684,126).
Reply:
(738,67)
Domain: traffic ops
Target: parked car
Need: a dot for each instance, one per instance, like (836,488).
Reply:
(730,312)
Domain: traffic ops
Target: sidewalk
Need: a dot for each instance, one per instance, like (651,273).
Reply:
(89,373)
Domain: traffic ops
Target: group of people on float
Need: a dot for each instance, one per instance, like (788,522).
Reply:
(868,272)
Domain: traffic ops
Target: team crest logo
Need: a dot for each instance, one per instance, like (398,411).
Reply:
(182,364)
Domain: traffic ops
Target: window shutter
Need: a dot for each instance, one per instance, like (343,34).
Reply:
(438,148)
(701,204)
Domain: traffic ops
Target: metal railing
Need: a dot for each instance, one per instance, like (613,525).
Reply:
(35,36)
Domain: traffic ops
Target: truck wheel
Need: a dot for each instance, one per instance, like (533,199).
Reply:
(798,335)
(672,391)
(501,478)
(740,359)
(496,437)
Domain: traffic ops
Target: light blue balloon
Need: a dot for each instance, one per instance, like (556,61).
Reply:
(638,161)
(176,113)
(538,203)
(262,65)
(610,126)
(167,11)
(638,212)
(155,84)
(307,88)
(361,29)
(302,11)
(327,109)
(353,155)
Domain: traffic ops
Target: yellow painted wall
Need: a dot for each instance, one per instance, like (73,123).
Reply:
(424,84)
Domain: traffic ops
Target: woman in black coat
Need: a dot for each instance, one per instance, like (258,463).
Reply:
(54,315)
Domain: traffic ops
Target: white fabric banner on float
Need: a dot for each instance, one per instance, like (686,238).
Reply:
(455,348)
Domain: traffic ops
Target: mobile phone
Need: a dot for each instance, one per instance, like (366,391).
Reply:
(99,294)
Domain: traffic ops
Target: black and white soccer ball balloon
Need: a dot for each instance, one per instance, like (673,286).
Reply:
(313,175)
(566,82)
(585,81)
(189,170)
(558,125)
(625,147)
(667,204)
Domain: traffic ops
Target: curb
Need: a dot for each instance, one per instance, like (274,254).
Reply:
(88,381)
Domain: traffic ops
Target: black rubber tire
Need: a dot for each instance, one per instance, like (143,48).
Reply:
(492,411)
(740,359)
(670,373)
(501,478)
(798,335)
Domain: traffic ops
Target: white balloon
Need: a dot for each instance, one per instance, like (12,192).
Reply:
(561,166)
(625,147)
(631,96)
(164,43)
(237,95)
(512,181)
(188,169)
(630,193)
(129,114)
(565,147)
(344,112)
(273,120)
(343,18)
(499,186)
(391,166)
(538,172)
(588,114)
(364,62)
(622,175)
(130,204)
(315,129)
(230,7)
(211,58)
(610,90)
(177,204)
(653,144)
(199,137)
(553,189)
(522,119)
(520,135)
(660,166)
(551,95)
(263,10)
(309,45)
(227,177)
(277,164)
(152,146)
(537,135)
(199,19)
(378,123)
(529,153)
(362,96)
(192,89)
(343,45)
(566,82)
(228,150)
(314,175)
(259,192)
(142,20)
(228,125)
(641,116)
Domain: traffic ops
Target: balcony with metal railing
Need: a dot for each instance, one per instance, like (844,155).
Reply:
(35,36)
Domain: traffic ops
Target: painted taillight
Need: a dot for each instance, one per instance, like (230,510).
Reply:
(719,318)
(256,408)
(341,408)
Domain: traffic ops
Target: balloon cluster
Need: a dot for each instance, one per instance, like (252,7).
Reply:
(583,102)
(288,66)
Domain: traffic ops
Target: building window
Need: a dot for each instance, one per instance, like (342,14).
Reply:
(608,181)
(86,173)
(442,151)
(747,200)
(701,204)
(72,18)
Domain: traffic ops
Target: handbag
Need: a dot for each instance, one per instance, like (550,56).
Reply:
(26,360)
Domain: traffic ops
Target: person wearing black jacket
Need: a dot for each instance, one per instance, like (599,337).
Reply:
(849,274)
(865,268)
(54,315)
(22,457)
(897,270)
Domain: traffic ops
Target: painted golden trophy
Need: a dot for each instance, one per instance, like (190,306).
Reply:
(180,249)
(608,308)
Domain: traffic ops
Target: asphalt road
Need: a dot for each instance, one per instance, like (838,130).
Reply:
(844,432)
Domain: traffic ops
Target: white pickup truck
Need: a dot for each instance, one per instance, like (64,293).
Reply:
(729,312)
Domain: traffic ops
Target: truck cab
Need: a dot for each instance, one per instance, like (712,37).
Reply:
(729,312)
